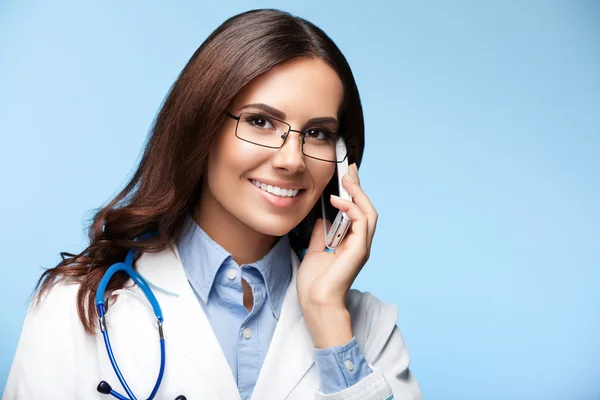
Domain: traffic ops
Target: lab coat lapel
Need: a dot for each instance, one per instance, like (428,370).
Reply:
(186,326)
(291,352)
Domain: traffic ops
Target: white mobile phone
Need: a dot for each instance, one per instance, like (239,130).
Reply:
(341,223)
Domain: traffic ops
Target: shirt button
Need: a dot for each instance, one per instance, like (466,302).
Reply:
(349,365)
(247,333)
(232,273)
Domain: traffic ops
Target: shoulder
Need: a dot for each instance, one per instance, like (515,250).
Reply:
(55,309)
(60,297)
(372,320)
(52,323)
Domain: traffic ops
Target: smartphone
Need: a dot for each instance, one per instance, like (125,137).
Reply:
(341,223)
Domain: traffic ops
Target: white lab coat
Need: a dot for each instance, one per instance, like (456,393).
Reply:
(55,359)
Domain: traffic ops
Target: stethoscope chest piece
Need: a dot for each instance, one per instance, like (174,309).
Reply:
(104,388)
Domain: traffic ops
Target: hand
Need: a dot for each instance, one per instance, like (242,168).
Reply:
(324,278)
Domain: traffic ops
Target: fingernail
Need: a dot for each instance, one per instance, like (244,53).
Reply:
(352,180)
(337,197)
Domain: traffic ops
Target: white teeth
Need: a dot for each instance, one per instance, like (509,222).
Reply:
(276,190)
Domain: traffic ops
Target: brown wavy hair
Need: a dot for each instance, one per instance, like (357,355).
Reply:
(166,185)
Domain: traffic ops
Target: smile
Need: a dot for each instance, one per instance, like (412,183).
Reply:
(277,191)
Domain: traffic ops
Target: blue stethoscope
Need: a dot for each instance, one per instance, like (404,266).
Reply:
(127,267)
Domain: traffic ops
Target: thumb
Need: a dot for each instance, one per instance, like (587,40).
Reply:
(317,237)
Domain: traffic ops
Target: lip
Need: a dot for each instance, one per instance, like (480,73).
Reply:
(277,201)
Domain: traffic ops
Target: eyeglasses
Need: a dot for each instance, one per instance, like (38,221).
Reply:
(261,130)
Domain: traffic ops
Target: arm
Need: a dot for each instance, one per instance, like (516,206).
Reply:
(323,283)
(375,325)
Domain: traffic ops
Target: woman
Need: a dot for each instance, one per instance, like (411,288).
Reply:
(225,199)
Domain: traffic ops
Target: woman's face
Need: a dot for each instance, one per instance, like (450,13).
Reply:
(301,89)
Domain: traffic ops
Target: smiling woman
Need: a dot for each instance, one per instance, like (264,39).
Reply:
(219,228)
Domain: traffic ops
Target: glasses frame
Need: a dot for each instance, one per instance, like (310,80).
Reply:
(285,135)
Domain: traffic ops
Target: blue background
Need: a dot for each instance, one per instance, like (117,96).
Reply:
(482,158)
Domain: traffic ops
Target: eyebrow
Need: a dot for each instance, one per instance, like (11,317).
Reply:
(281,115)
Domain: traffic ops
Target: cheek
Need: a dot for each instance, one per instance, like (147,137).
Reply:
(229,163)
(232,158)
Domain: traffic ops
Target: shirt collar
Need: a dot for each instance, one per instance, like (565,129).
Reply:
(202,258)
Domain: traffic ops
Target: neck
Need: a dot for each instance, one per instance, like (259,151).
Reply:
(243,243)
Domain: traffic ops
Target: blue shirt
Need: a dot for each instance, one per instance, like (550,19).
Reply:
(245,335)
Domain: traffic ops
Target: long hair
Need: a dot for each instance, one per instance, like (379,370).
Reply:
(166,185)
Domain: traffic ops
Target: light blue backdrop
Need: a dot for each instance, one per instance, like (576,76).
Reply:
(483,159)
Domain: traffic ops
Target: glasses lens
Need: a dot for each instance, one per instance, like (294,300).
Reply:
(320,143)
(261,130)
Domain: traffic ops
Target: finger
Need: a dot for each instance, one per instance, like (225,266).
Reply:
(359,225)
(363,202)
(356,241)
(353,171)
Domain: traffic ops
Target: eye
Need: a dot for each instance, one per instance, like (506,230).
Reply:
(318,134)
(258,121)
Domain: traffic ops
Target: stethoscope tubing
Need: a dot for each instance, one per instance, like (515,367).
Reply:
(111,356)
(127,267)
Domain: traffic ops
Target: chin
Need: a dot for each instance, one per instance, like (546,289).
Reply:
(272,225)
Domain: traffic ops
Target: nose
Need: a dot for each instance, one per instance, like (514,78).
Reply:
(289,157)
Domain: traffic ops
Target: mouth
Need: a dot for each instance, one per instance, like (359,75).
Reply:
(276,190)
(277,196)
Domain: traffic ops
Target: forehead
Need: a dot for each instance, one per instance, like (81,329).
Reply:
(302,88)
